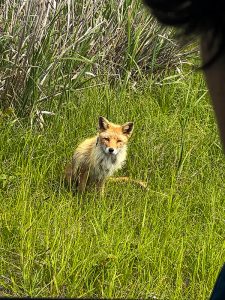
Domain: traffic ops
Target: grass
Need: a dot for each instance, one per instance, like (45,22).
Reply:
(82,59)
(51,50)
(163,243)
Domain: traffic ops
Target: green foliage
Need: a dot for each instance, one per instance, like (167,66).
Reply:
(49,49)
(81,59)
(166,242)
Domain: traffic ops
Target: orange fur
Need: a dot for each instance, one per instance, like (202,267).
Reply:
(142,184)
(99,157)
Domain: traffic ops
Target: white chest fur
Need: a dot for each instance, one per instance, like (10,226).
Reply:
(106,164)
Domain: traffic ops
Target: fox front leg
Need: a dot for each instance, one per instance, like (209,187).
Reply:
(82,182)
(100,186)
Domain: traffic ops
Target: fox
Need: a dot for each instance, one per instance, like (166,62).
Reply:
(99,157)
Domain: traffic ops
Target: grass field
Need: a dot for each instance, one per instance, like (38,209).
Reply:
(163,243)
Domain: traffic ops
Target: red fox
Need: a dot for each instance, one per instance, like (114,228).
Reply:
(99,157)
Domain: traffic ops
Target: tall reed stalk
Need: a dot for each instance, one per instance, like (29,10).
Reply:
(50,49)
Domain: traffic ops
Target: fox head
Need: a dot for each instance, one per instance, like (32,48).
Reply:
(112,137)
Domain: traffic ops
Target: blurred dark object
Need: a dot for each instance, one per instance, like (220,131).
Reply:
(218,292)
(194,17)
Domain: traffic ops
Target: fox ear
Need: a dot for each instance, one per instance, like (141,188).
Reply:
(127,128)
(103,124)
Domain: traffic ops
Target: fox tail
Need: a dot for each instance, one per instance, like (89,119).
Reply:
(143,184)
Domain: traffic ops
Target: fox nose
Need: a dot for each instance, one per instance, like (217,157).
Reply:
(111,150)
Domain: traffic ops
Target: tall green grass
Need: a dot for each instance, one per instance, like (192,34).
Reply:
(82,59)
(50,49)
(166,242)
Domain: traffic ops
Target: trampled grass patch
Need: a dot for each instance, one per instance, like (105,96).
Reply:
(166,242)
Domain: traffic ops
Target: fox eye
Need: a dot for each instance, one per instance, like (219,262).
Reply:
(106,139)
(119,141)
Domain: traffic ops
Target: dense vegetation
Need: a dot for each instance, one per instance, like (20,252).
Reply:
(79,60)
(51,49)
